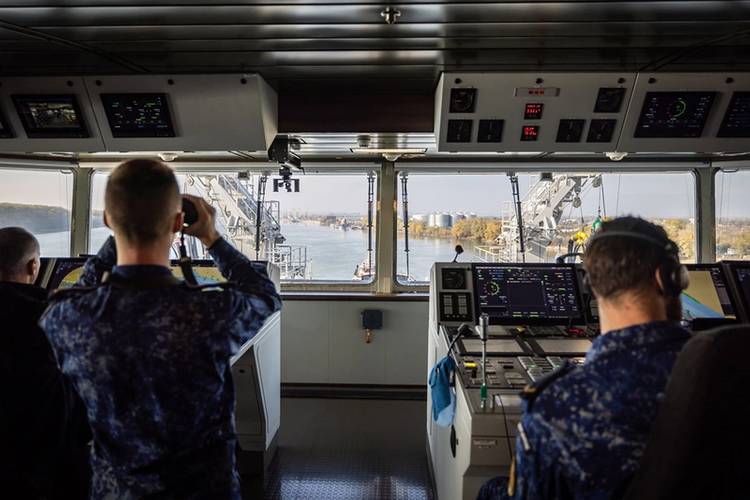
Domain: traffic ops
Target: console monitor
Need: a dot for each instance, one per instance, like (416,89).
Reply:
(674,114)
(527,293)
(66,272)
(206,272)
(736,122)
(50,116)
(138,115)
(741,275)
(708,295)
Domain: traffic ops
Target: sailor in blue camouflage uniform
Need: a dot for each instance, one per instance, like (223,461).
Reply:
(150,355)
(584,428)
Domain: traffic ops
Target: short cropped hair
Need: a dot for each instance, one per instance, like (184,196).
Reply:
(619,264)
(17,248)
(141,199)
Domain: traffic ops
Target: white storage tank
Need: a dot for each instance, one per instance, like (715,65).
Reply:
(443,220)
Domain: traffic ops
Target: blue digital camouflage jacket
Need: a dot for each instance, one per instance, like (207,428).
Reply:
(584,428)
(152,366)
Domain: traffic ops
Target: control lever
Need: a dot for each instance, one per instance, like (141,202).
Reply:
(484,324)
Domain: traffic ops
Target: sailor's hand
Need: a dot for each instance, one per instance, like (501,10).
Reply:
(205,228)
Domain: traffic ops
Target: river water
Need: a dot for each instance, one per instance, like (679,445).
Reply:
(334,254)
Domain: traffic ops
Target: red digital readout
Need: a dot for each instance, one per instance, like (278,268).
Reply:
(533,111)
(529,132)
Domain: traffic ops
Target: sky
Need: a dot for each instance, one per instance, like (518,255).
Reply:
(651,195)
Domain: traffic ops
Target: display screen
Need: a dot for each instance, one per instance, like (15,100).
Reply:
(609,100)
(736,121)
(674,114)
(570,130)
(490,131)
(520,293)
(707,296)
(533,111)
(459,131)
(742,274)
(67,272)
(50,116)
(530,133)
(601,130)
(138,115)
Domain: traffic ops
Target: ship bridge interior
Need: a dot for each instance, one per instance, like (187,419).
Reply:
(360,147)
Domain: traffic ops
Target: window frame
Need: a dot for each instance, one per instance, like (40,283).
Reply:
(317,169)
(729,169)
(49,166)
(490,169)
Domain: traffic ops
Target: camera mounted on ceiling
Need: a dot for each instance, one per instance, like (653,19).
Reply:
(282,151)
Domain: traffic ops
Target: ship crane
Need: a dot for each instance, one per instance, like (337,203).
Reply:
(251,229)
(541,212)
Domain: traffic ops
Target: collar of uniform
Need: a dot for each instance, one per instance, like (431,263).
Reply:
(131,271)
(634,337)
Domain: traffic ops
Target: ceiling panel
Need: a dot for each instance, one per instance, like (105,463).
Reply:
(508,12)
(291,41)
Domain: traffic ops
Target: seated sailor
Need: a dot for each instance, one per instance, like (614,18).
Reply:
(585,428)
(44,432)
(150,355)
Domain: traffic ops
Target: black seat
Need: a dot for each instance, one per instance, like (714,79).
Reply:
(698,448)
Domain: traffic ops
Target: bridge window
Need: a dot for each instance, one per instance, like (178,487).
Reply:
(39,201)
(732,215)
(558,213)
(320,233)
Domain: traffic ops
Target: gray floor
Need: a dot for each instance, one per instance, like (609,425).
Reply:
(337,449)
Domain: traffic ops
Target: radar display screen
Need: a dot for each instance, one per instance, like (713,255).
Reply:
(66,273)
(736,121)
(138,115)
(50,116)
(707,296)
(515,294)
(674,114)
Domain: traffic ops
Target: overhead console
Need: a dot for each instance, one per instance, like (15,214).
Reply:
(593,112)
(137,113)
(703,112)
(490,112)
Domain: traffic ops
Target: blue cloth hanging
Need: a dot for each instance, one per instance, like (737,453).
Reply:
(443,397)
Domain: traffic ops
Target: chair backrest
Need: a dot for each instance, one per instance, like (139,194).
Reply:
(698,448)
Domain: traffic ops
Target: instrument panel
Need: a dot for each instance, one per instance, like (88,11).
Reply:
(593,112)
